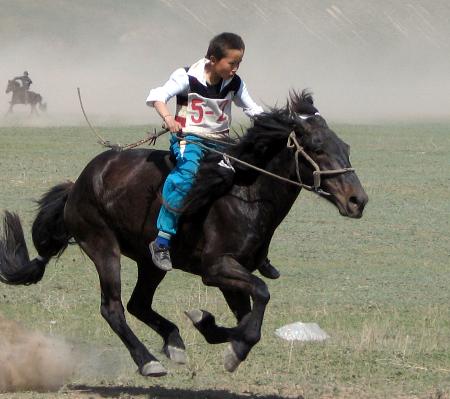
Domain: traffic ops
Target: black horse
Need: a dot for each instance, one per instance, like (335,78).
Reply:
(22,96)
(227,224)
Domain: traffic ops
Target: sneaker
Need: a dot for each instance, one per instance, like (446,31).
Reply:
(160,256)
(268,271)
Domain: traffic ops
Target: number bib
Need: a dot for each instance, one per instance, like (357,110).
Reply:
(207,115)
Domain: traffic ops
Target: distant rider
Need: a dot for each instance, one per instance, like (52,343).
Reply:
(26,82)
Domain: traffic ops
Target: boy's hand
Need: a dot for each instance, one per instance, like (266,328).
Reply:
(172,125)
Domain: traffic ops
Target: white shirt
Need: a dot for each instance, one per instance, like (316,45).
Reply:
(178,83)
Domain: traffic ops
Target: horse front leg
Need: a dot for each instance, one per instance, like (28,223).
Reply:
(238,302)
(205,322)
(230,276)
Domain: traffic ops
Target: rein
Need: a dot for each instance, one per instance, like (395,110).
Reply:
(228,157)
(291,143)
(118,147)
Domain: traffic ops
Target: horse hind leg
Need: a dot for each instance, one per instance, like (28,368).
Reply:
(101,246)
(140,306)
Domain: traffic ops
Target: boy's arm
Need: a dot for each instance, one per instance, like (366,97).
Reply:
(177,83)
(168,118)
(243,100)
(158,97)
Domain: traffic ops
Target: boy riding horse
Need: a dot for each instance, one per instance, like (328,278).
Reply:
(204,92)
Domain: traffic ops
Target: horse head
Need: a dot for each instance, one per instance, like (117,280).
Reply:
(9,86)
(323,158)
(12,86)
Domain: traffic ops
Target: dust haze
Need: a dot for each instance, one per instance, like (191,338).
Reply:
(31,360)
(364,61)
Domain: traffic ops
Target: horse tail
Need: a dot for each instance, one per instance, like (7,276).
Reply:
(50,238)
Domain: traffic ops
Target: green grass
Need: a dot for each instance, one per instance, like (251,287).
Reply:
(379,286)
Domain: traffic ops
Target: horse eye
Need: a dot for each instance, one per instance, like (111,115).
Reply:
(319,152)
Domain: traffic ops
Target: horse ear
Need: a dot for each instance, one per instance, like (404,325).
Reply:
(307,96)
(294,101)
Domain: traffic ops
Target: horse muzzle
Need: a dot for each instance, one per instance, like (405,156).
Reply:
(347,195)
(351,205)
(356,204)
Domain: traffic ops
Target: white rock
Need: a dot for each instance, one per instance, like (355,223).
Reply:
(301,332)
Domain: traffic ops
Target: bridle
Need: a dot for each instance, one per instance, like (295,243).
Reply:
(293,143)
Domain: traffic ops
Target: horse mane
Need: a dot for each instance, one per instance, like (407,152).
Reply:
(263,139)
(257,146)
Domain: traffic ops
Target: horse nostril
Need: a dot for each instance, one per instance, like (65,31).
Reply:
(353,200)
(358,201)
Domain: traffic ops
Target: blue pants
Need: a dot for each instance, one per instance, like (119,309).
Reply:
(179,182)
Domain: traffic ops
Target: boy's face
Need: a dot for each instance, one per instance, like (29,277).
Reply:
(227,66)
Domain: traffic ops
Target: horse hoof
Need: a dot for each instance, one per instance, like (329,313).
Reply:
(153,369)
(175,354)
(196,315)
(230,361)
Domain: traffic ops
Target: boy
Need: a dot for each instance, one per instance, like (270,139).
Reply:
(204,93)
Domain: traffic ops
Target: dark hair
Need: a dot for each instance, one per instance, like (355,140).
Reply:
(221,43)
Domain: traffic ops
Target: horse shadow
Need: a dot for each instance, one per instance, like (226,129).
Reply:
(165,393)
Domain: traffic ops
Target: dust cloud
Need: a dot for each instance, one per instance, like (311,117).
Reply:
(365,61)
(33,361)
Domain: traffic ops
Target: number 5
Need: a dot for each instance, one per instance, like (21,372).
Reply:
(196,106)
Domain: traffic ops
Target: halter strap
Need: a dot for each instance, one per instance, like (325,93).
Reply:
(293,142)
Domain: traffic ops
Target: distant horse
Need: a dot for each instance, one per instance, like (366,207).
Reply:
(21,96)
(225,230)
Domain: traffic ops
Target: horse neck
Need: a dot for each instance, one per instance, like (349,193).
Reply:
(15,88)
(278,194)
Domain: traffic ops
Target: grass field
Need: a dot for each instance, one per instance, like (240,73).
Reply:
(379,286)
